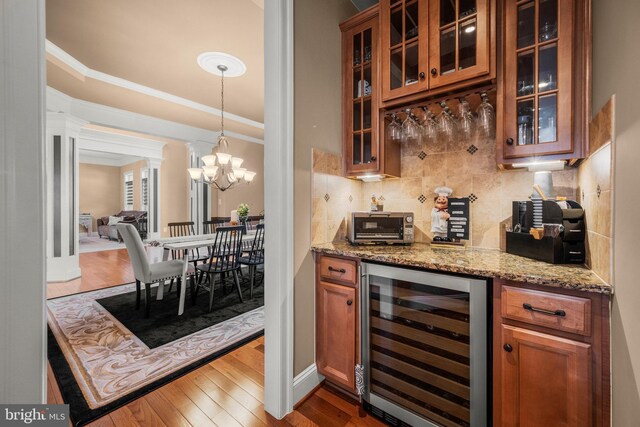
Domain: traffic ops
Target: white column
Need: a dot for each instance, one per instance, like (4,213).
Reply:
(23,372)
(199,194)
(63,261)
(154,224)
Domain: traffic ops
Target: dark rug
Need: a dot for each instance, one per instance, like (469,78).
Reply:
(163,326)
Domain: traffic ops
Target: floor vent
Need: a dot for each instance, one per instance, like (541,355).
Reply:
(384,416)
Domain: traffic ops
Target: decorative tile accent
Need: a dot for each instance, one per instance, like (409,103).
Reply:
(472,197)
(326,197)
(422,155)
(381,198)
(598,191)
(422,198)
(472,149)
(350,198)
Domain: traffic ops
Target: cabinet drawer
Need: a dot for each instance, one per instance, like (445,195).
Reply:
(560,312)
(338,269)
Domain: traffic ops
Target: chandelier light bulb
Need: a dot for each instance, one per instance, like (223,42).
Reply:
(236,162)
(210,171)
(239,173)
(195,173)
(209,160)
(223,158)
(248,176)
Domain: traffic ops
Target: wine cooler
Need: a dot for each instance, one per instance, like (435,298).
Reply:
(424,347)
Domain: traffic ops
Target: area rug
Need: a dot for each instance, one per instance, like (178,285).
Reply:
(96,244)
(104,354)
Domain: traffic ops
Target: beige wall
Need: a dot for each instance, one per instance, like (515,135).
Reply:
(253,194)
(616,35)
(317,98)
(99,191)
(174,181)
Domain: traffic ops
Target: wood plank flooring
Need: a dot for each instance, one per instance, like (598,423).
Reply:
(228,392)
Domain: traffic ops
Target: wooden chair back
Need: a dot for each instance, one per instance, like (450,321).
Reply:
(225,252)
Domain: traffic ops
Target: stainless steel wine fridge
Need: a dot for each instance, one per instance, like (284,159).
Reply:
(424,347)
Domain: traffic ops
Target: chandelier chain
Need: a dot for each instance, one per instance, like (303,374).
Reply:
(222,106)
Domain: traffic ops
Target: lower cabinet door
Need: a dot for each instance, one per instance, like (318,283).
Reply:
(336,311)
(545,381)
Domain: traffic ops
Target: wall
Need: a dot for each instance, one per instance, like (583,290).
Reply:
(468,167)
(252,194)
(615,72)
(100,191)
(317,123)
(595,192)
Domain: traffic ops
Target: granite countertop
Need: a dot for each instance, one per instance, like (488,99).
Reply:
(476,262)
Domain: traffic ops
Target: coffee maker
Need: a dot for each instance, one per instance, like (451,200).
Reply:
(567,247)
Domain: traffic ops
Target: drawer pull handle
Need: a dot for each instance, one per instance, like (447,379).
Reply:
(337,270)
(559,313)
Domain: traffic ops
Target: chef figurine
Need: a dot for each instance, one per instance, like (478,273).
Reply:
(439,215)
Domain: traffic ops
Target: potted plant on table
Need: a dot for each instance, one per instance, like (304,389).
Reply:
(243,212)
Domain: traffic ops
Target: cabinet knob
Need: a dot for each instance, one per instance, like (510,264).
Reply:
(434,72)
(508,348)
(349,302)
(509,141)
(374,158)
(422,75)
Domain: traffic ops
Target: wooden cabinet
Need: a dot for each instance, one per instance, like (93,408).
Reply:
(337,334)
(364,154)
(551,364)
(542,95)
(432,46)
(459,40)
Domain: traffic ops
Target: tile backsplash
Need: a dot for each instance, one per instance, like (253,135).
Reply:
(468,167)
(595,192)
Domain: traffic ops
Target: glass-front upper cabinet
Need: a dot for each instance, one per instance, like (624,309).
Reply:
(360,95)
(404,50)
(459,40)
(538,87)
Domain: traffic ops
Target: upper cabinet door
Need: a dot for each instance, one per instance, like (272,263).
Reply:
(360,97)
(459,40)
(538,87)
(405,54)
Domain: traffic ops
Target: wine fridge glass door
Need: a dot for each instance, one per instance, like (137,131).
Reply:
(424,346)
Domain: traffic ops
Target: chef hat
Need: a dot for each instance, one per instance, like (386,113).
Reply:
(443,191)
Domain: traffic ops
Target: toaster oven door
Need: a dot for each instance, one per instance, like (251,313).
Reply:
(378,228)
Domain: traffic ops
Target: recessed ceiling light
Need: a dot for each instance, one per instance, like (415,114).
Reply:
(209,61)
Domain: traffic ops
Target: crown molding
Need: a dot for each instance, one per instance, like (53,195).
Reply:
(97,158)
(87,72)
(116,143)
(121,119)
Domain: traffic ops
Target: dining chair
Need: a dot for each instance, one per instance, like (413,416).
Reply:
(225,255)
(209,227)
(255,256)
(145,272)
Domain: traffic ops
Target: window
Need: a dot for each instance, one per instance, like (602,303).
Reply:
(144,190)
(128,191)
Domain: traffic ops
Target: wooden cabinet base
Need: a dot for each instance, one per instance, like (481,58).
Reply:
(544,375)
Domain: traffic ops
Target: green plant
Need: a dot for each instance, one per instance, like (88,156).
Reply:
(243,210)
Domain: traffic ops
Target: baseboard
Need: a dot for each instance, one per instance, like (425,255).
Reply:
(305,382)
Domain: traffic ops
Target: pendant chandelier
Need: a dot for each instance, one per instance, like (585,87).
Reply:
(222,170)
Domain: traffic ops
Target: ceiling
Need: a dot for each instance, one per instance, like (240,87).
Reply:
(155,43)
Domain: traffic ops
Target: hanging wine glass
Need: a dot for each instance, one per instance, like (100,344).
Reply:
(486,124)
(465,120)
(446,123)
(394,130)
(410,127)
(429,127)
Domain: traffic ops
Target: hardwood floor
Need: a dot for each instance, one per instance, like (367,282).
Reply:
(227,392)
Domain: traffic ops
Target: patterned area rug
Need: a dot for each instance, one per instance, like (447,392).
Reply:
(111,366)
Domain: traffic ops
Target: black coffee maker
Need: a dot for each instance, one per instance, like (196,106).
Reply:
(567,247)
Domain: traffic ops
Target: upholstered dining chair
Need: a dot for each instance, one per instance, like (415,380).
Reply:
(255,256)
(145,272)
(225,254)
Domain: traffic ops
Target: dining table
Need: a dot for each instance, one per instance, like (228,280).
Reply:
(186,244)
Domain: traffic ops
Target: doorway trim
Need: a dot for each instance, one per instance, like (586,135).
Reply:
(278,161)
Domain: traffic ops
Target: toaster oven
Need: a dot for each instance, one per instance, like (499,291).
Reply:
(381,228)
